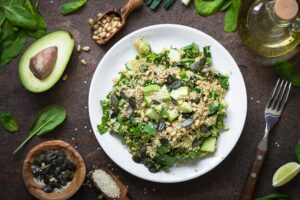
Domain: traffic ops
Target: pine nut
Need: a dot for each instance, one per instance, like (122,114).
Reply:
(78,47)
(91,22)
(83,62)
(86,48)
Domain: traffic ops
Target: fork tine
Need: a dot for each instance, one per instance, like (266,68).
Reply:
(272,94)
(281,96)
(280,108)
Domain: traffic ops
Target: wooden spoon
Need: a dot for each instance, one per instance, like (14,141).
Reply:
(123,188)
(122,13)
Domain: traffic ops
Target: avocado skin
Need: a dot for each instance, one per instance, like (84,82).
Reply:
(65,45)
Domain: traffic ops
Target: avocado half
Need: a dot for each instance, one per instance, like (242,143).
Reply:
(65,45)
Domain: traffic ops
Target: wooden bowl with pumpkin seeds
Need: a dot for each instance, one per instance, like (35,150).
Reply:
(64,159)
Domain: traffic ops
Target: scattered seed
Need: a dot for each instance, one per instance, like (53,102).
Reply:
(78,47)
(86,48)
(83,62)
(91,22)
(65,77)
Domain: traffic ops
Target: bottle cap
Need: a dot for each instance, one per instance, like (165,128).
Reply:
(286,9)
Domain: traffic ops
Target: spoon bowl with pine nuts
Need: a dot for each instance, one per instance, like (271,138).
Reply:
(107,24)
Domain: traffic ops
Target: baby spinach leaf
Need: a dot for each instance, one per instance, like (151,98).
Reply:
(103,127)
(154,4)
(8,121)
(231,16)
(40,20)
(207,8)
(71,7)
(12,48)
(20,16)
(275,197)
(288,72)
(297,150)
(46,120)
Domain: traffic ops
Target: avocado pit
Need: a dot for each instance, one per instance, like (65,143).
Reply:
(43,63)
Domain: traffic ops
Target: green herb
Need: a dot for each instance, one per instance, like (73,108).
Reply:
(182,74)
(18,18)
(275,197)
(46,120)
(224,81)
(214,107)
(207,55)
(71,7)
(297,150)
(207,8)
(231,16)
(288,71)
(168,4)
(8,121)
(105,118)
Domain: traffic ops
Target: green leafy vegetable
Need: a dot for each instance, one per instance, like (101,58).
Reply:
(207,8)
(8,121)
(105,118)
(231,16)
(214,107)
(71,7)
(46,120)
(18,18)
(275,197)
(154,5)
(288,71)
(149,128)
(168,4)
(207,55)
(224,81)
(226,4)
(297,150)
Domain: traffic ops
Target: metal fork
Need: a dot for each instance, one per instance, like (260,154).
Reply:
(273,111)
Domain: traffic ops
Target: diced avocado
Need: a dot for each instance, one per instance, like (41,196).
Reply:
(152,114)
(142,46)
(132,65)
(185,108)
(180,93)
(209,144)
(172,114)
(174,55)
(148,101)
(44,61)
(163,94)
(150,89)
(158,108)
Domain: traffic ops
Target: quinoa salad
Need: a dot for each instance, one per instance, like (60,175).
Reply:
(167,107)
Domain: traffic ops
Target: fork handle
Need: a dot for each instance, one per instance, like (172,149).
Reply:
(249,186)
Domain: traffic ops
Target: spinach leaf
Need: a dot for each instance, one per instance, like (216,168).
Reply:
(46,120)
(275,197)
(207,55)
(154,4)
(207,8)
(231,16)
(20,16)
(149,128)
(71,7)
(12,48)
(224,81)
(103,127)
(226,4)
(297,150)
(214,107)
(168,4)
(288,72)
(8,121)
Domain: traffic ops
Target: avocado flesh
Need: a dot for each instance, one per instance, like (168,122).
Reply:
(65,45)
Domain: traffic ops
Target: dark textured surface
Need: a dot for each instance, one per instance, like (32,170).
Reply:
(223,183)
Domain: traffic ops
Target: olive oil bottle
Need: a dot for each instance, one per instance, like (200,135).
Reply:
(271,27)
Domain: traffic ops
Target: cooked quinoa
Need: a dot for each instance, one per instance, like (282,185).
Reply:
(167,107)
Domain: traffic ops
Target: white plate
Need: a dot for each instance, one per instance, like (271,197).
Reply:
(161,36)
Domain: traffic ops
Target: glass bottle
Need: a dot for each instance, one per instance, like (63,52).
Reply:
(271,27)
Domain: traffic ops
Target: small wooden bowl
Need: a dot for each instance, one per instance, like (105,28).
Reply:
(71,153)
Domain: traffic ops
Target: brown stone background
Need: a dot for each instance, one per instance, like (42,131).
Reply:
(223,183)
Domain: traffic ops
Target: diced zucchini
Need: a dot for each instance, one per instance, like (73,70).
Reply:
(209,144)
(158,108)
(148,101)
(180,93)
(150,89)
(185,108)
(163,94)
(174,55)
(132,65)
(172,114)
(152,114)
(142,46)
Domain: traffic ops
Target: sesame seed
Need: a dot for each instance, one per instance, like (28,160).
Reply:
(106,183)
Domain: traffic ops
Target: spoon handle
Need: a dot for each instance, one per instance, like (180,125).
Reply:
(130,6)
